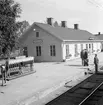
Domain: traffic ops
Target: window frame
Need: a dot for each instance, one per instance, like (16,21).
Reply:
(81,46)
(67,50)
(52,50)
(89,46)
(25,51)
(38,50)
(37,34)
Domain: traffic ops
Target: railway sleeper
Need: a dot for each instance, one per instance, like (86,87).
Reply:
(91,103)
(101,88)
(86,88)
(76,95)
(75,100)
(95,81)
(82,91)
(99,92)
(97,95)
(64,99)
(94,98)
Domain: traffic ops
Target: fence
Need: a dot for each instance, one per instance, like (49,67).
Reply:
(16,65)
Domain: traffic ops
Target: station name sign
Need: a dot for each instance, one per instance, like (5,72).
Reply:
(38,41)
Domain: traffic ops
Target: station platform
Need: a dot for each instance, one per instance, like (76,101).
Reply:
(49,80)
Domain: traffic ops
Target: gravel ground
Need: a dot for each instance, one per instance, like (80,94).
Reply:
(48,75)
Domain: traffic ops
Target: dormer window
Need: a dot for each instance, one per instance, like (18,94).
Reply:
(91,38)
(37,34)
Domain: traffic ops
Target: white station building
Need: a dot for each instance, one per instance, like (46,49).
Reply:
(49,42)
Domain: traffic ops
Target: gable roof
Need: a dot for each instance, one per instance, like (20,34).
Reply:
(100,37)
(66,33)
(63,33)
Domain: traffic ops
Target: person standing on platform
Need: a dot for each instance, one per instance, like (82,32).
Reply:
(7,67)
(96,62)
(86,58)
(3,73)
(82,57)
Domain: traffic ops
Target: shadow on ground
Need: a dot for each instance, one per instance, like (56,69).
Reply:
(74,65)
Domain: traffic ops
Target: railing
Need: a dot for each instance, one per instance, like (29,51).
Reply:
(16,65)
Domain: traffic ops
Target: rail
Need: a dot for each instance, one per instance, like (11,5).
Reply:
(81,103)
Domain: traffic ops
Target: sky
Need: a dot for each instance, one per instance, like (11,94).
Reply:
(87,13)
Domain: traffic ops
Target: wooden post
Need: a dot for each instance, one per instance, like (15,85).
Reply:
(31,65)
(2,79)
(20,68)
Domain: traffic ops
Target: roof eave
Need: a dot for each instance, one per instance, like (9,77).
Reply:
(81,40)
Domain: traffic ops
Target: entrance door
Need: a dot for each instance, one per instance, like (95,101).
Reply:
(90,48)
(102,47)
(25,51)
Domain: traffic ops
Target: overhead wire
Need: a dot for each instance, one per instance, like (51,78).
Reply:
(96,3)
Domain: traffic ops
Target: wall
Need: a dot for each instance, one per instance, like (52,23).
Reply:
(44,40)
(71,50)
(96,45)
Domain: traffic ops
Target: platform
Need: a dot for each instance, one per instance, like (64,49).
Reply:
(49,78)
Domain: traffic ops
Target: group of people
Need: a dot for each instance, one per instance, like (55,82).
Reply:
(84,57)
(85,60)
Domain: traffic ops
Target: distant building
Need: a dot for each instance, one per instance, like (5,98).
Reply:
(48,42)
(100,37)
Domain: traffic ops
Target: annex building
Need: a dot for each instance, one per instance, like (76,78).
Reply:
(48,42)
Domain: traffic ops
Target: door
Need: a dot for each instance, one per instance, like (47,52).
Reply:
(25,51)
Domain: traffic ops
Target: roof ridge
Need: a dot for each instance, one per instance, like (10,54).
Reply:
(63,33)
(62,27)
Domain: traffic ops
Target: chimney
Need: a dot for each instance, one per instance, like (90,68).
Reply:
(99,33)
(63,23)
(49,21)
(76,26)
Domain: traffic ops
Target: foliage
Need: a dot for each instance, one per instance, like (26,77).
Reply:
(24,26)
(9,12)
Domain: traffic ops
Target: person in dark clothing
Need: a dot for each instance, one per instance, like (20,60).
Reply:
(96,62)
(7,67)
(86,58)
(82,57)
(3,73)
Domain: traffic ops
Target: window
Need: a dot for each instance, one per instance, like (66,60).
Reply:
(37,34)
(52,50)
(25,51)
(25,48)
(75,48)
(89,45)
(92,47)
(81,46)
(67,50)
(38,50)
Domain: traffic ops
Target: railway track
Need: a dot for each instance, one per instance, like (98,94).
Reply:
(88,92)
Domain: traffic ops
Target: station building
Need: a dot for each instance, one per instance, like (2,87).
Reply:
(48,42)
(100,37)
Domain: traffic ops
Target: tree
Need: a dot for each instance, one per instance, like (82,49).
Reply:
(24,26)
(56,24)
(9,12)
